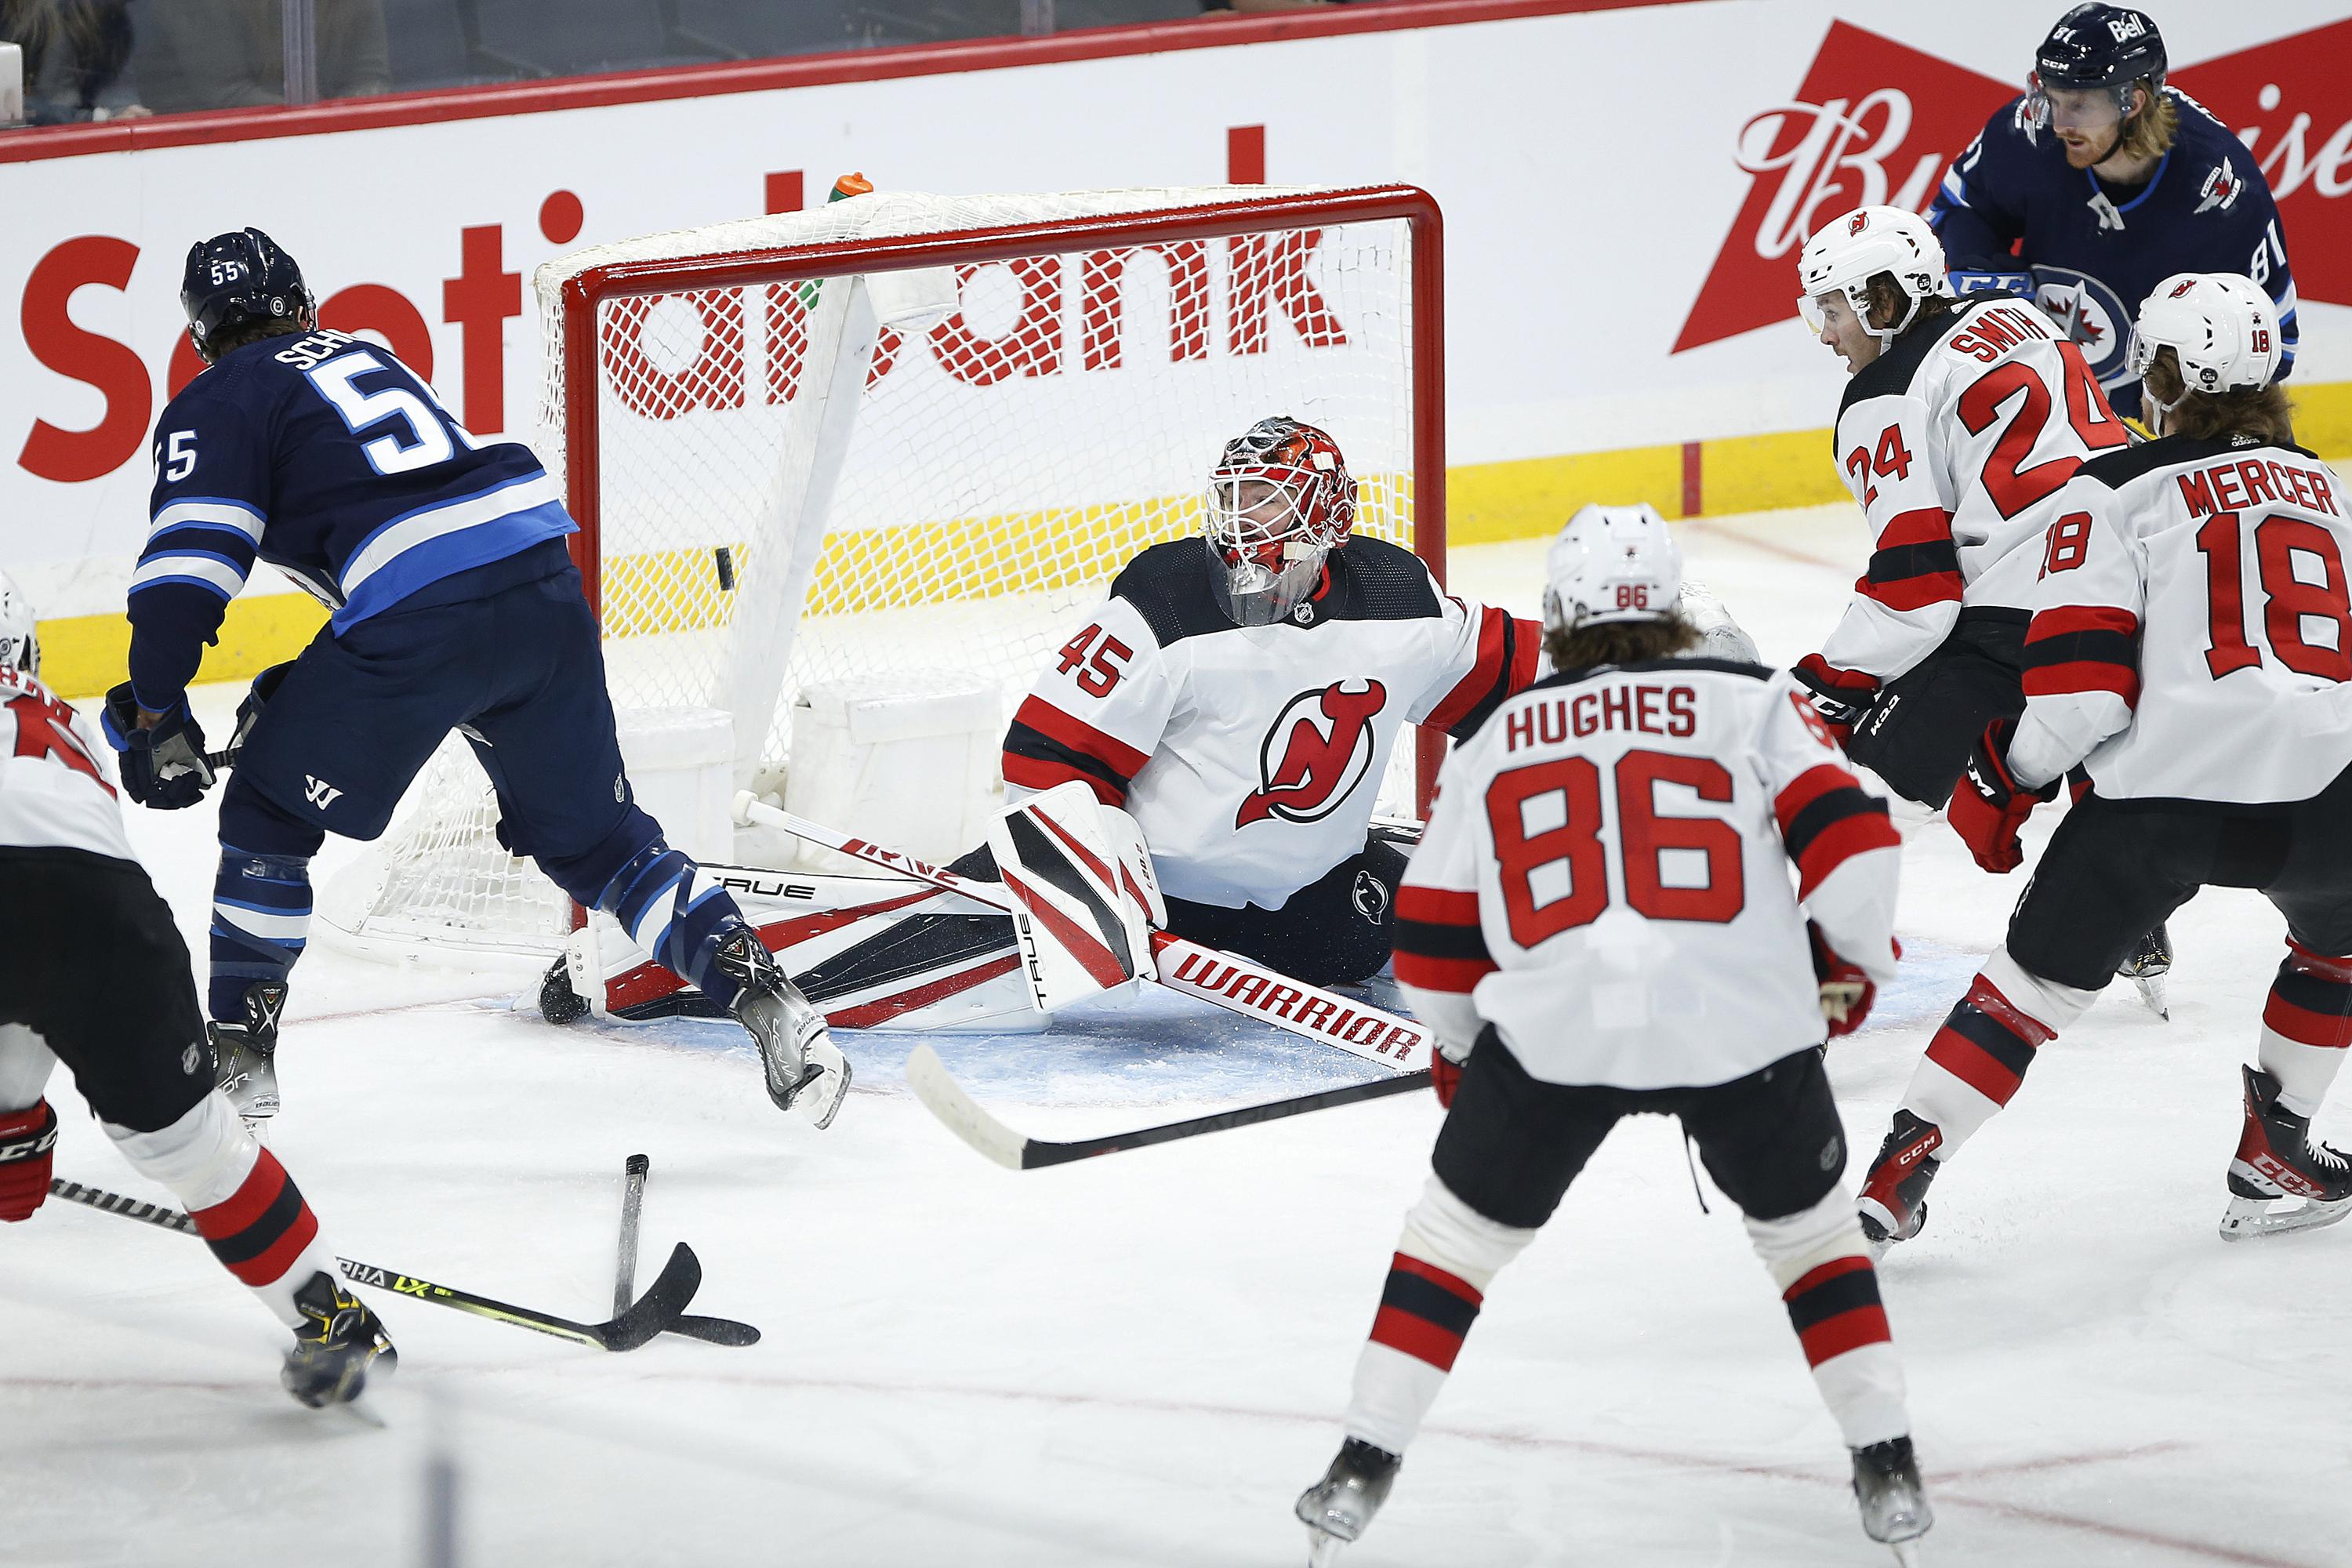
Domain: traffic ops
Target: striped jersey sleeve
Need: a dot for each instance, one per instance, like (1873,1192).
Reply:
(1441,948)
(1838,834)
(1494,655)
(1908,597)
(205,516)
(1097,711)
(2083,647)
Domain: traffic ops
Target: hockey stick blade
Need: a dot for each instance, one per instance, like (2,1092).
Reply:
(715,1330)
(657,1309)
(946,1099)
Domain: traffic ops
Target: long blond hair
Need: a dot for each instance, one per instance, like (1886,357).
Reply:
(2150,133)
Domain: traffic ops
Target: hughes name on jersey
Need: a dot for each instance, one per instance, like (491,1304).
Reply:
(325,456)
(2193,634)
(57,790)
(1606,877)
(1252,756)
(2096,253)
(1956,442)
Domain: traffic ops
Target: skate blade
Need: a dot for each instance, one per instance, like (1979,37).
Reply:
(821,1100)
(2248,1218)
(1322,1548)
(1906,1553)
(2152,992)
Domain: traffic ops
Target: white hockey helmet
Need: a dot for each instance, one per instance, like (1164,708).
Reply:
(19,646)
(1845,255)
(1612,564)
(2220,326)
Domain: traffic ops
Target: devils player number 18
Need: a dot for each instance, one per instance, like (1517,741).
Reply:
(2288,600)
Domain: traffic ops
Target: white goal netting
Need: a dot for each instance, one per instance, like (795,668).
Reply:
(911,437)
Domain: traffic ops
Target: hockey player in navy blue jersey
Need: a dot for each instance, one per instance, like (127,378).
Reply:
(455,605)
(2099,183)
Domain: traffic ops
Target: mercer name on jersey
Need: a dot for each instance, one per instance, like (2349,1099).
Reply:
(1606,879)
(56,784)
(2193,632)
(327,457)
(1956,442)
(1251,756)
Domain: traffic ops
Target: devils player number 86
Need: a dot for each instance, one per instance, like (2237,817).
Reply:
(1644,837)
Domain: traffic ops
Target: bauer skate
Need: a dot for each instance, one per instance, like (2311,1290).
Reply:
(244,1054)
(1894,1506)
(804,1069)
(1335,1509)
(2150,961)
(338,1341)
(2280,1180)
(1893,1203)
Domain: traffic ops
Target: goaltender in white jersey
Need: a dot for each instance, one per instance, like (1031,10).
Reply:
(1603,905)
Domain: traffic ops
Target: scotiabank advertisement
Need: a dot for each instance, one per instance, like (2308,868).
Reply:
(1624,190)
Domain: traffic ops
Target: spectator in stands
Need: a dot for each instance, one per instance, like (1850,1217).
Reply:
(229,54)
(74,51)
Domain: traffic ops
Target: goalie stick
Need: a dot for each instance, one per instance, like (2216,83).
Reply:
(710,1330)
(1222,979)
(946,1099)
(657,1309)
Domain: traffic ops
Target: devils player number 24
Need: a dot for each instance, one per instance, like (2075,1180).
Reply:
(1567,791)
(2288,601)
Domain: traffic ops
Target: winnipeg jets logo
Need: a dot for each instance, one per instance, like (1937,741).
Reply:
(2089,312)
(2221,188)
(1316,753)
(319,792)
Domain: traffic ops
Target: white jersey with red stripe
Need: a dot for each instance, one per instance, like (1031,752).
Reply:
(1956,441)
(1606,877)
(1253,757)
(2192,633)
(56,777)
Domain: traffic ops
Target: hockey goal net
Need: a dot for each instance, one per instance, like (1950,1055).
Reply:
(914,436)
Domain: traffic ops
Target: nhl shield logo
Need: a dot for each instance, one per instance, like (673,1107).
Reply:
(1317,751)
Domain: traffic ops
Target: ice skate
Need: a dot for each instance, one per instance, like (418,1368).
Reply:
(1893,1203)
(1894,1506)
(2150,961)
(338,1341)
(2278,1179)
(244,1054)
(1335,1509)
(804,1069)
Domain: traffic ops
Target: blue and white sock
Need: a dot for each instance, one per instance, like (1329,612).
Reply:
(261,918)
(676,914)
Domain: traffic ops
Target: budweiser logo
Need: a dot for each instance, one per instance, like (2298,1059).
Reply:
(1876,122)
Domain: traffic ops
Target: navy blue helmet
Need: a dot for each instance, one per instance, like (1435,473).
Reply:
(239,277)
(2102,46)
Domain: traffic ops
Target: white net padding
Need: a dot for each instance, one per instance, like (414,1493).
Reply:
(904,433)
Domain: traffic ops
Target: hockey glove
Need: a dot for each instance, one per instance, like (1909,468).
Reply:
(164,767)
(28,1139)
(1444,1076)
(249,712)
(1842,697)
(1846,992)
(1989,806)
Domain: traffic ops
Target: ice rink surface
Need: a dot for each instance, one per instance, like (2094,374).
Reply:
(1142,1359)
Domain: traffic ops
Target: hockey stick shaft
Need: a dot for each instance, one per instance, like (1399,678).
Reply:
(1221,979)
(949,1101)
(660,1306)
(633,1202)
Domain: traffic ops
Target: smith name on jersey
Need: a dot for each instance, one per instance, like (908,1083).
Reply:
(1251,756)
(1606,877)
(2096,253)
(2192,635)
(1956,442)
(325,456)
(57,785)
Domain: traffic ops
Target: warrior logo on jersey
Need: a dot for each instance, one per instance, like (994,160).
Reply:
(1317,751)
(2088,312)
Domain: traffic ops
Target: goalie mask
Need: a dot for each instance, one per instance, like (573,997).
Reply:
(1849,251)
(1280,500)
(1612,564)
(2221,328)
(19,647)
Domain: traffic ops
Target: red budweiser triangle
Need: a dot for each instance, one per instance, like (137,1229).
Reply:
(2286,100)
(1874,122)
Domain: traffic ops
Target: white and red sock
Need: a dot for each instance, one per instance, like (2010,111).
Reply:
(2307,1026)
(1978,1060)
(1819,1260)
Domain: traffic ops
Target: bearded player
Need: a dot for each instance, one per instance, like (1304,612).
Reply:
(1241,696)
(1962,420)
(2191,642)
(1602,922)
(96,976)
(455,606)
(2101,180)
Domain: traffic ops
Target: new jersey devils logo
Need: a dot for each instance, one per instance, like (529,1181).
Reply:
(1316,753)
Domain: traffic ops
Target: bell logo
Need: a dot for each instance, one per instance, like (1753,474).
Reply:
(1317,751)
